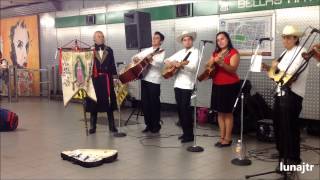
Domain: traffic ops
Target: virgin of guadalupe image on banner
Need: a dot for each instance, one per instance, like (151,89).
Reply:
(76,74)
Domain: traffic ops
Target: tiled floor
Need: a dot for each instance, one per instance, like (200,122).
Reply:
(47,128)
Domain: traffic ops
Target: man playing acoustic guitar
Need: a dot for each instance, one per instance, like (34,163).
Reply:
(186,67)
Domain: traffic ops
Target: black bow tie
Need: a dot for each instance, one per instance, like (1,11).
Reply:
(98,47)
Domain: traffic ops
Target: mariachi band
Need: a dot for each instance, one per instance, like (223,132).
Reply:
(221,68)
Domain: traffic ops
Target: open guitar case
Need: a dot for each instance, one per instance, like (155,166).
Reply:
(90,157)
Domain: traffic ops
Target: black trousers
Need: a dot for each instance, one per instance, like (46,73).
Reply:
(150,99)
(94,116)
(286,113)
(183,97)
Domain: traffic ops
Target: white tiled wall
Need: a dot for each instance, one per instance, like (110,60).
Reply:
(206,27)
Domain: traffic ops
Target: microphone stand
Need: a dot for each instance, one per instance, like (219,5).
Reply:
(243,161)
(195,147)
(119,133)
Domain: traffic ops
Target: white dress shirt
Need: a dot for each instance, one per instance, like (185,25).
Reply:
(185,77)
(299,86)
(154,72)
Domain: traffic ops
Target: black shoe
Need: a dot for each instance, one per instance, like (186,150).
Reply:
(217,144)
(112,126)
(93,123)
(92,131)
(226,145)
(180,137)
(113,129)
(293,175)
(187,139)
(278,169)
(145,130)
(156,130)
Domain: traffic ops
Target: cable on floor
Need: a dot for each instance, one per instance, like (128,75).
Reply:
(143,138)
(269,154)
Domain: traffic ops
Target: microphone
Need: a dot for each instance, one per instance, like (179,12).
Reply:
(207,41)
(264,39)
(314,30)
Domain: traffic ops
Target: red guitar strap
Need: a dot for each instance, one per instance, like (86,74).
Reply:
(60,61)
(95,71)
(108,87)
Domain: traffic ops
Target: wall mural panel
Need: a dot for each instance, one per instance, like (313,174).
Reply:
(20,46)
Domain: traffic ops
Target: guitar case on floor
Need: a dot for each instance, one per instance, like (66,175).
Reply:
(8,120)
(90,157)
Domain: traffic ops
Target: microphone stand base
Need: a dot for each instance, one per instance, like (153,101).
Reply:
(195,149)
(241,162)
(119,134)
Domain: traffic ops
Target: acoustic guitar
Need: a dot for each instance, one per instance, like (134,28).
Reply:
(210,69)
(170,70)
(135,69)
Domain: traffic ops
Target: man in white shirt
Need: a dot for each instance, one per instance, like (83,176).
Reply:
(288,101)
(150,84)
(184,82)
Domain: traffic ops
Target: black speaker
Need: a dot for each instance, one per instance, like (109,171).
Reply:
(91,19)
(183,10)
(137,30)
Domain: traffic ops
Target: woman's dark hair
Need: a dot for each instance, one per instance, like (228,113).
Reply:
(160,34)
(230,46)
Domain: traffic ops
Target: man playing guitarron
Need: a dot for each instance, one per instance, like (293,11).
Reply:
(288,101)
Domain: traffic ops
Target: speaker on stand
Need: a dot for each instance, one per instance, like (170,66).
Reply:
(138,36)
(138,30)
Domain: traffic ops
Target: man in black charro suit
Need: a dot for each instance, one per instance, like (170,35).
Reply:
(104,71)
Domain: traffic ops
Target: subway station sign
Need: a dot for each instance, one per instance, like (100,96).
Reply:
(236,6)
(199,8)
